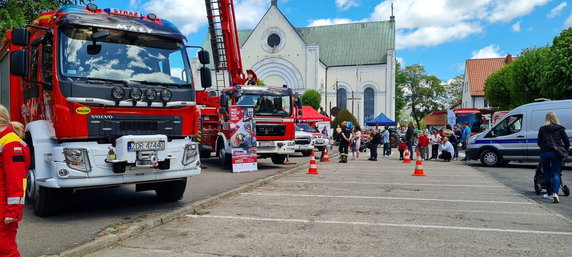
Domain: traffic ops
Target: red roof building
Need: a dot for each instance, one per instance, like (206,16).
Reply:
(476,73)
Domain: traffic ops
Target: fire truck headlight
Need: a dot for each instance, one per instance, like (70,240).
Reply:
(117,93)
(135,94)
(77,159)
(151,94)
(190,154)
(166,95)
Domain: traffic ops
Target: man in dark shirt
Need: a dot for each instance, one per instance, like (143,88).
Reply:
(345,138)
(410,136)
(375,141)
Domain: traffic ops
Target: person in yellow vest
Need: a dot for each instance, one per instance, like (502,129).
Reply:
(14,164)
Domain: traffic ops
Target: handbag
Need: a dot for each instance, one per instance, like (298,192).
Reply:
(560,151)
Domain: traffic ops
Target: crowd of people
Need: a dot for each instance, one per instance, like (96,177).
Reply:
(432,144)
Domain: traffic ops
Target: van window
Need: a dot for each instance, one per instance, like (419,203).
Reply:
(508,126)
(563,114)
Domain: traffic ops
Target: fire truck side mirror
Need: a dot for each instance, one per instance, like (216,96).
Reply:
(223,100)
(204,57)
(300,112)
(20,37)
(19,63)
(206,77)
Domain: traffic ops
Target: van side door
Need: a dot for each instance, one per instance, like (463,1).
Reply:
(508,137)
(537,120)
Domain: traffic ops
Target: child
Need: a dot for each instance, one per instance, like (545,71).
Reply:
(424,146)
(401,147)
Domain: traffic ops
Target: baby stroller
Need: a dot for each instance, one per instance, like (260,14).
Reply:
(539,183)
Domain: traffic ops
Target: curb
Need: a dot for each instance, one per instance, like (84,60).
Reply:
(153,222)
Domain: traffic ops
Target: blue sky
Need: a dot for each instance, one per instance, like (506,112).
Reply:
(439,34)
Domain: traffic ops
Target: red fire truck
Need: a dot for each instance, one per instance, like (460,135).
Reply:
(107,98)
(275,107)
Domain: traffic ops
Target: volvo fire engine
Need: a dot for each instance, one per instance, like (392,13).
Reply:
(275,107)
(107,98)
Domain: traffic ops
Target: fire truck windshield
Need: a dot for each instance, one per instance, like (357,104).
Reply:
(268,105)
(123,56)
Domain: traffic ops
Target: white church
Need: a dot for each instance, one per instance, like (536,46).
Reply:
(351,65)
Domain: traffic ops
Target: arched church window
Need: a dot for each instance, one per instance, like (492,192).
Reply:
(342,96)
(369,104)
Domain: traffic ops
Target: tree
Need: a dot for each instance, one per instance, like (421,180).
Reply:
(400,101)
(497,90)
(423,93)
(17,13)
(311,98)
(344,115)
(527,75)
(558,80)
(454,89)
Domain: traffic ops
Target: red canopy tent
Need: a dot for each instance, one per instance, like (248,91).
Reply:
(309,115)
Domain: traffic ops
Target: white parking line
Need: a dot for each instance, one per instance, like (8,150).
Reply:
(388,198)
(332,222)
(379,183)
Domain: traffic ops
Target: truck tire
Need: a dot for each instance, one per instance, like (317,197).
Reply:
(224,158)
(304,153)
(171,191)
(47,201)
(490,158)
(278,159)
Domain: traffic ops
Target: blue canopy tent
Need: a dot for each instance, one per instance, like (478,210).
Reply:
(381,120)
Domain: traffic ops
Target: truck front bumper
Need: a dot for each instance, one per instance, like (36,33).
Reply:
(101,173)
(276,147)
(303,148)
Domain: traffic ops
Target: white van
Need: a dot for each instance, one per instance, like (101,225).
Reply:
(514,137)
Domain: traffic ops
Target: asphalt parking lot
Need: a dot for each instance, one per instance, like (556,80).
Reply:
(366,209)
(88,212)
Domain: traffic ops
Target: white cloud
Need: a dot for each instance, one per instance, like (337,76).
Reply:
(557,10)
(505,11)
(400,61)
(451,20)
(435,35)
(516,26)
(568,22)
(491,51)
(346,4)
(325,22)
(190,15)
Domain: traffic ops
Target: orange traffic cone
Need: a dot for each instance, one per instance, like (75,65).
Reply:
(325,156)
(313,167)
(406,159)
(418,166)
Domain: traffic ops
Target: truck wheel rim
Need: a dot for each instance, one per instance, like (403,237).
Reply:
(491,158)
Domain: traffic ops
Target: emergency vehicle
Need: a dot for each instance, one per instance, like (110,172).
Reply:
(107,97)
(276,108)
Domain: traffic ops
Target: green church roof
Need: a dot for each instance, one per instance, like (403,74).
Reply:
(344,44)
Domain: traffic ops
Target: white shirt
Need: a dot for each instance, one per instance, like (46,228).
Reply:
(449,148)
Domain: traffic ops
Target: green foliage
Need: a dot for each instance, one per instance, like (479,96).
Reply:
(17,13)
(311,98)
(260,83)
(541,72)
(558,82)
(454,89)
(344,115)
(423,93)
(400,101)
(497,89)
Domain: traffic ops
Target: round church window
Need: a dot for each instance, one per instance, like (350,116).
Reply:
(273,40)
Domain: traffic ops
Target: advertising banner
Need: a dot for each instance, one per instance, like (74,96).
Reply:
(451,118)
(243,138)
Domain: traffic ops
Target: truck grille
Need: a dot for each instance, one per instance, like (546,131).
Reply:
(302,141)
(270,130)
(113,126)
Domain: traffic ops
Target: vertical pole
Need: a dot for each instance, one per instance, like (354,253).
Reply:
(337,96)
(353,103)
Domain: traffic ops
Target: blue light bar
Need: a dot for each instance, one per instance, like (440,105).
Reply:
(72,9)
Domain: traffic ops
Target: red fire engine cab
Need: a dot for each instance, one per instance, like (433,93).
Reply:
(107,97)
(276,108)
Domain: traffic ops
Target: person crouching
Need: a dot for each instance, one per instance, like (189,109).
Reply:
(448,151)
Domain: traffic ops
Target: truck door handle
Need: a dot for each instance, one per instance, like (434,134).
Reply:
(519,136)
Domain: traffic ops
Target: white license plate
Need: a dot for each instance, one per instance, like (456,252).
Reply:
(145,145)
(264,143)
